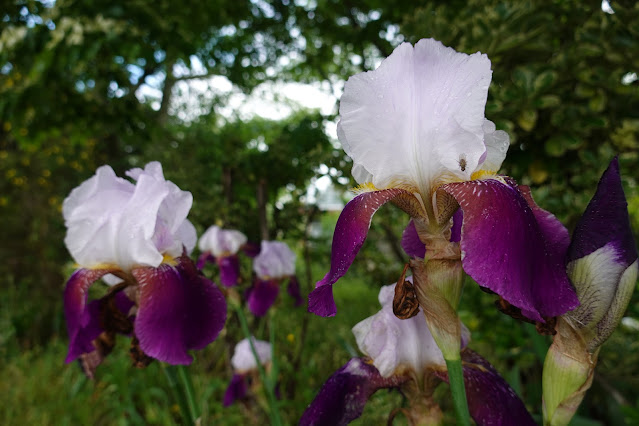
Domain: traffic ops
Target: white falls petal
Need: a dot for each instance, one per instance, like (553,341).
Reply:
(415,118)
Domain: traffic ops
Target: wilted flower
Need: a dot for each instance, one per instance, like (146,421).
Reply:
(221,246)
(245,364)
(416,132)
(274,264)
(603,267)
(138,232)
(403,354)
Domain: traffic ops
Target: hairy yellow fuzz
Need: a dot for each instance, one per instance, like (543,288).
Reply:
(363,188)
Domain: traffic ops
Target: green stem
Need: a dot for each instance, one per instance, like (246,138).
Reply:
(456,381)
(187,385)
(274,412)
(178,395)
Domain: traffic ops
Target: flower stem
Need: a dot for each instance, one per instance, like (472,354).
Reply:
(456,381)
(189,393)
(269,389)
(178,394)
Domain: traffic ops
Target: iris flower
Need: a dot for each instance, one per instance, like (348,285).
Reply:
(274,264)
(245,365)
(221,246)
(416,132)
(138,232)
(403,354)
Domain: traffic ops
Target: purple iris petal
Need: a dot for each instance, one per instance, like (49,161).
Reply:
(455,230)
(178,310)
(605,220)
(350,232)
(93,324)
(229,270)
(81,324)
(251,249)
(491,401)
(262,296)
(414,247)
(411,243)
(344,395)
(236,390)
(205,258)
(294,291)
(514,249)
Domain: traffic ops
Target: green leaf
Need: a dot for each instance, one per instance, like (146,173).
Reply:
(545,80)
(527,119)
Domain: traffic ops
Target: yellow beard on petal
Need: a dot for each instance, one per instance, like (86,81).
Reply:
(168,259)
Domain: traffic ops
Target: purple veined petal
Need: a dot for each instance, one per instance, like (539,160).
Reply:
(513,249)
(605,220)
(262,296)
(80,323)
(229,270)
(294,291)
(237,389)
(414,247)
(178,310)
(491,400)
(343,397)
(350,232)
(205,258)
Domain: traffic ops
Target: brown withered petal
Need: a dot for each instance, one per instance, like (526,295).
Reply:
(140,359)
(546,328)
(405,303)
(103,346)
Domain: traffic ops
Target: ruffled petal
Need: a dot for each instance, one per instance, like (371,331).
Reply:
(514,249)
(178,310)
(243,359)
(81,323)
(229,270)
(497,143)
(221,242)
(350,232)
(237,389)
(344,395)
(262,296)
(416,116)
(276,260)
(491,401)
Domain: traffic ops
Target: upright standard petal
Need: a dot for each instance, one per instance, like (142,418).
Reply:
(178,310)
(344,395)
(221,242)
(514,249)
(276,260)
(243,360)
(350,232)
(414,119)
(491,401)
